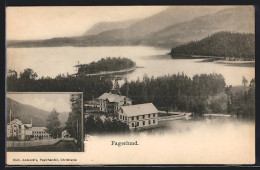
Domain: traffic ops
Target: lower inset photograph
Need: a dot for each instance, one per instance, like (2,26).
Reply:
(44,122)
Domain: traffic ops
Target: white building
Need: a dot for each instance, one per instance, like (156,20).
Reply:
(25,131)
(40,133)
(139,116)
(110,103)
(17,129)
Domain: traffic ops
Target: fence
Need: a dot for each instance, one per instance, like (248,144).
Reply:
(32,143)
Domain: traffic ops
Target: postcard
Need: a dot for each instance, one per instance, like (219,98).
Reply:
(130,85)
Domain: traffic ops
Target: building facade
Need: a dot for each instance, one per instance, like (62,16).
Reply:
(141,116)
(110,103)
(92,105)
(23,131)
(19,130)
(40,133)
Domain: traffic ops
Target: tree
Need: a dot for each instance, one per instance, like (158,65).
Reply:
(244,81)
(53,124)
(96,125)
(218,103)
(28,74)
(89,124)
(73,124)
(242,103)
(12,74)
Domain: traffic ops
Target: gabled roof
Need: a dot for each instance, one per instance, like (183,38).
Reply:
(112,97)
(65,131)
(139,109)
(28,125)
(16,121)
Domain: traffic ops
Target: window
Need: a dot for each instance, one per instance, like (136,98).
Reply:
(123,117)
(137,117)
(149,121)
(153,121)
(149,116)
(120,116)
(154,115)
(133,124)
(132,118)
(143,122)
(143,116)
(137,123)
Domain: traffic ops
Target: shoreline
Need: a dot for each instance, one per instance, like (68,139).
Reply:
(110,72)
(237,63)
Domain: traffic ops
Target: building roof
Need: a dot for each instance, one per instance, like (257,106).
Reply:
(65,131)
(113,97)
(16,121)
(139,109)
(38,129)
(28,125)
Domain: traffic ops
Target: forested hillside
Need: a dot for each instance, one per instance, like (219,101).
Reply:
(239,19)
(26,113)
(90,86)
(176,92)
(221,44)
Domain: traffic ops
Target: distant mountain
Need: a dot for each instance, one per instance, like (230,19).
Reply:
(131,35)
(238,19)
(25,113)
(167,17)
(221,44)
(169,28)
(107,26)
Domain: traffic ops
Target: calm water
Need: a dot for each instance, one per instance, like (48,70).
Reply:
(51,61)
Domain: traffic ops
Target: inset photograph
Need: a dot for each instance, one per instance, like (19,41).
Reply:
(44,122)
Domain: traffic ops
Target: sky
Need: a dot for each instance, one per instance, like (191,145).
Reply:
(45,101)
(23,23)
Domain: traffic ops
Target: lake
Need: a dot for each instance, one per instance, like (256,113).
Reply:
(51,61)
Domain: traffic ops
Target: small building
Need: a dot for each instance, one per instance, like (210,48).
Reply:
(65,134)
(40,133)
(140,116)
(110,103)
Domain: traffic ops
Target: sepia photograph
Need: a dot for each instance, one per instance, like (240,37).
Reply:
(43,122)
(160,84)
